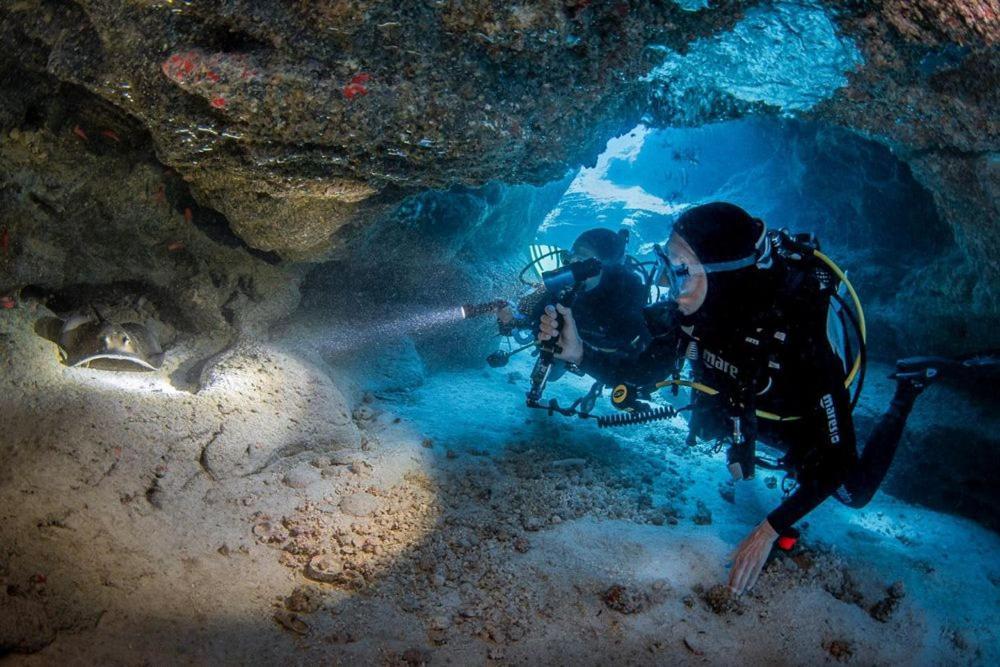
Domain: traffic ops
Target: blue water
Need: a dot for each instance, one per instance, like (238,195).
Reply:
(793,175)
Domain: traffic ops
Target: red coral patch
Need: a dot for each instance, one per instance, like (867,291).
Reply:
(179,66)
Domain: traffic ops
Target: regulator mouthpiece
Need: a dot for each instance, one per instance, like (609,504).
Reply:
(471,310)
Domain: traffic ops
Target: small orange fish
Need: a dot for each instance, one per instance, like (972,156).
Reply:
(175,246)
(188,215)
(112,135)
(78,131)
(218,102)
(7,302)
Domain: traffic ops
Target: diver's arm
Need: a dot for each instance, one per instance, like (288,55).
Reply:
(831,459)
(806,498)
(835,454)
(654,363)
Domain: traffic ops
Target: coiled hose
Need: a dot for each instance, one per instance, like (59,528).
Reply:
(637,417)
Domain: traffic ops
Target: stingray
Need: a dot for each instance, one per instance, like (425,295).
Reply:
(93,341)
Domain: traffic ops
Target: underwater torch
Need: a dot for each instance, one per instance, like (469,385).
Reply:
(562,285)
(471,310)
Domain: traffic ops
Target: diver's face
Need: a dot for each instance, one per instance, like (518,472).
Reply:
(690,284)
(582,253)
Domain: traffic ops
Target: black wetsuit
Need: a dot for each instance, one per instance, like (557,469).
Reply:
(609,317)
(770,352)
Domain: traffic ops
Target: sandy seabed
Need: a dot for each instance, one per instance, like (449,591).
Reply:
(271,514)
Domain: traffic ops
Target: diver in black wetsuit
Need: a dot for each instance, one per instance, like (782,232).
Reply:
(609,311)
(754,327)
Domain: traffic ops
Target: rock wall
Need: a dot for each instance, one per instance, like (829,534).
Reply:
(930,89)
(297,120)
(87,212)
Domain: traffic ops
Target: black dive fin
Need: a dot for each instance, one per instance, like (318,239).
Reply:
(979,364)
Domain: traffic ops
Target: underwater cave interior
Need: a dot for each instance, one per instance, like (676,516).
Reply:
(257,404)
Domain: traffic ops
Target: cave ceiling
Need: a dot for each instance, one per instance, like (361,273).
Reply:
(302,123)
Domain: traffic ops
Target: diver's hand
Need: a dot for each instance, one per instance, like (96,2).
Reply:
(569,338)
(749,558)
(505,315)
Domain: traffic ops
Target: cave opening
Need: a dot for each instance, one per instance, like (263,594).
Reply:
(859,199)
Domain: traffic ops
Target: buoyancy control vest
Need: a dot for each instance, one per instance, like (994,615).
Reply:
(783,350)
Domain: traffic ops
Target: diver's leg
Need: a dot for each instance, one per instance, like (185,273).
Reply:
(880,448)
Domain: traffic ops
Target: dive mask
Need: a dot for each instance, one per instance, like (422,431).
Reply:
(677,275)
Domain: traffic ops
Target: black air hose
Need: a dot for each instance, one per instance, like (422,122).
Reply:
(640,417)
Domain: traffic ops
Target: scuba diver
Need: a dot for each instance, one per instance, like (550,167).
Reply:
(748,309)
(608,309)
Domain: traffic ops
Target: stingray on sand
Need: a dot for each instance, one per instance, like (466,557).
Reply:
(89,339)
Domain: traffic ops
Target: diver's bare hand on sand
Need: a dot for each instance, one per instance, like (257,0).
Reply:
(569,338)
(750,556)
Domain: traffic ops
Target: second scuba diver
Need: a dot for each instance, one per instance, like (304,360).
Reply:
(752,320)
(609,309)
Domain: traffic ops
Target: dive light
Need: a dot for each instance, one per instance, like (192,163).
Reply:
(470,310)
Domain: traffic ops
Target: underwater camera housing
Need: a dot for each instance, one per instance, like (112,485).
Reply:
(561,285)
(555,285)
(570,276)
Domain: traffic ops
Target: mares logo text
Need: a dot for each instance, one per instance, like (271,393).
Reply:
(718,363)
(831,418)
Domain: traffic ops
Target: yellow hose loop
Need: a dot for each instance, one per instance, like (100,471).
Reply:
(857,305)
(705,389)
